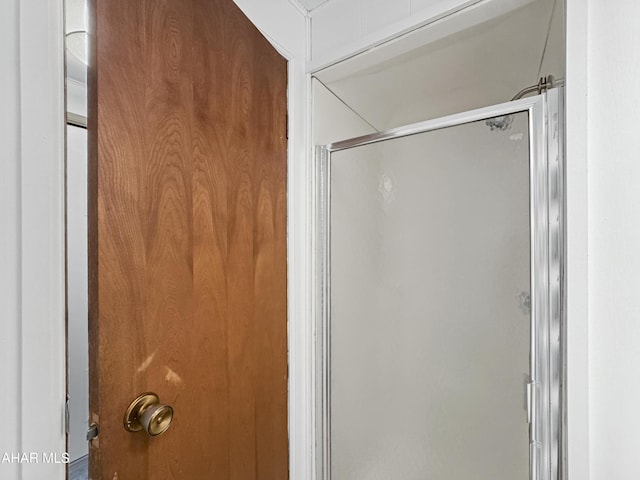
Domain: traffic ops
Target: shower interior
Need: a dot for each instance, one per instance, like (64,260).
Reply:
(425,308)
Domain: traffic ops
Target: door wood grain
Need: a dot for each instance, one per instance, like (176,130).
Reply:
(187,228)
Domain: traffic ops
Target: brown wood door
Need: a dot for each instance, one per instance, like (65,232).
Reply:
(187,189)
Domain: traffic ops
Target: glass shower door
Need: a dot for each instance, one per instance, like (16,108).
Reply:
(436,358)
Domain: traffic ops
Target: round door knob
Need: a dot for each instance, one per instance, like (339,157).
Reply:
(148,414)
(156,419)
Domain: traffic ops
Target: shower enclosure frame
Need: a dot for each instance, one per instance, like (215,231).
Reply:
(545,390)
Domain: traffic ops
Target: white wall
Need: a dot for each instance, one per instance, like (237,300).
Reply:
(77,289)
(332,119)
(613,120)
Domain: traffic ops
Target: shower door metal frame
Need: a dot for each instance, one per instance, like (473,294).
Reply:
(545,392)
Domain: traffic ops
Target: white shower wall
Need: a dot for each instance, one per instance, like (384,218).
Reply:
(430,268)
(332,119)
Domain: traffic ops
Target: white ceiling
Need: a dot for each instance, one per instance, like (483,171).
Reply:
(484,65)
(76,39)
(312,4)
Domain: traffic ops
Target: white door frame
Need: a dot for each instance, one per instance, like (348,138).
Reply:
(32,203)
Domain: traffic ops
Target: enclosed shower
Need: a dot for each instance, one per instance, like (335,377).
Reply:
(440,259)
(439,241)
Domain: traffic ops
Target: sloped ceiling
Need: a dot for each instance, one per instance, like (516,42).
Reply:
(482,66)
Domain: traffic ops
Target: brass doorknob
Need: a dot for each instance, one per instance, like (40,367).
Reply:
(148,414)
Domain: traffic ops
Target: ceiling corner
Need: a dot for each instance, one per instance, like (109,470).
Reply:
(310,4)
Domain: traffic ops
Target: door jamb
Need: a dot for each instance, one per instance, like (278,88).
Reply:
(40,281)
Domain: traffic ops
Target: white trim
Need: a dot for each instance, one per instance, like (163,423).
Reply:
(42,254)
(320,7)
(306,395)
(299,271)
(577,204)
(301,8)
(10,275)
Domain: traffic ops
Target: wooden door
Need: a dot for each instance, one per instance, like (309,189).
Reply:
(187,221)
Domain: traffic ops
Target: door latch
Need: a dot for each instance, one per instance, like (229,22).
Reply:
(93,431)
(66,416)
